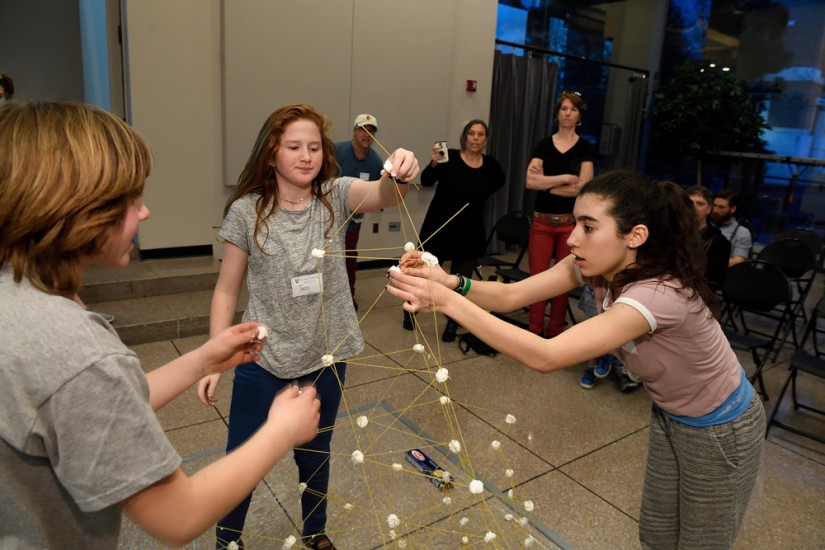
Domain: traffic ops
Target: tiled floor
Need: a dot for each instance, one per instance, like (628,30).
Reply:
(578,455)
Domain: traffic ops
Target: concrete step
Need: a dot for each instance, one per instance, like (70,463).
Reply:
(155,300)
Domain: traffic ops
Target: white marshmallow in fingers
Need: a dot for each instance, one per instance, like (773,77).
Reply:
(388,168)
(429,259)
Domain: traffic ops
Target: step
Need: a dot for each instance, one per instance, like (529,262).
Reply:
(156,300)
(150,278)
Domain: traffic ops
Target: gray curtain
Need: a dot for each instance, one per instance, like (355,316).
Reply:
(521,113)
(628,156)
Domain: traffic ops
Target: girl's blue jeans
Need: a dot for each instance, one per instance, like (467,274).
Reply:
(252,394)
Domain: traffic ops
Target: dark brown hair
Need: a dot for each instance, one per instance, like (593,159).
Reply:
(673,249)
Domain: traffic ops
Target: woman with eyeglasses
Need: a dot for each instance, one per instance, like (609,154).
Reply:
(559,166)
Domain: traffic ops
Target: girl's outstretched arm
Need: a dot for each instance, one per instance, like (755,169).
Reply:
(586,340)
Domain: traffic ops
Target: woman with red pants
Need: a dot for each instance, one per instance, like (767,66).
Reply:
(559,166)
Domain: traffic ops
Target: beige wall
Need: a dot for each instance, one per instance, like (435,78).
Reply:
(174,95)
(204,74)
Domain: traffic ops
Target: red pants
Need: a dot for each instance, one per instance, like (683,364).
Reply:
(548,241)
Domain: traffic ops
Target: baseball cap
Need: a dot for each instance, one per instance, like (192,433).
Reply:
(365,120)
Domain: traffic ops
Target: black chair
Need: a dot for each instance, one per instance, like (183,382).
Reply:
(514,230)
(798,262)
(755,288)
(812,239)
(811,363)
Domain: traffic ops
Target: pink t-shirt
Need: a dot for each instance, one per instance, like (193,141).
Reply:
(685,361)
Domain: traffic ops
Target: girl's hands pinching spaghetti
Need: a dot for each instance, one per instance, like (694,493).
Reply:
(412,264)
(418,292)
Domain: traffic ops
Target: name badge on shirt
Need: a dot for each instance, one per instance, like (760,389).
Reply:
(304,285)
(364,176)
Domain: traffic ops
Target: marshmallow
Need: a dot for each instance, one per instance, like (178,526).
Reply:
(232,546)
(362,421)
(289,542)
(495,444)
(409,247)
(396,466)
(463,521)
(444,399)
(447,500)
(528,542)
(489,537)
(347,506)
(395,268)
(318,253)
(509,473)
(402,543)
(455,446)
(528,505)
(388,167)
(263,332)
(476,487)
(429,259)
(510,419)
(357,457)
(393,521)
(327,360)
(510,493)
(508,517)
(301,488)
(523,522)
(418,348)
(465,539)
(442,374)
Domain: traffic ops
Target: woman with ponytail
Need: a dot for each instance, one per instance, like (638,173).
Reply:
(636,243)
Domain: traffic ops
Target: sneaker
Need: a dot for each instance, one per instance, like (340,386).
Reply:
(320,542)
(603,366)
(627,380)
(588,379)
(407,323)
(449,331)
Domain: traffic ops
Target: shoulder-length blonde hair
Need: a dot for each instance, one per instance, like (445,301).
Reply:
(258,176)
(68,172)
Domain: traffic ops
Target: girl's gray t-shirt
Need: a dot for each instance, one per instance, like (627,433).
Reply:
(303,326)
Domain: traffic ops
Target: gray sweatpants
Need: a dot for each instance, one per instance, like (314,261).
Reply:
(699,480)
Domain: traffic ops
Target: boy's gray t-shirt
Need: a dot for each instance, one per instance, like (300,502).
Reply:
(77,433)
(303,327)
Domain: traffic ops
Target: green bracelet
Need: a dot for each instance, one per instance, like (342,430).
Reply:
(466,288)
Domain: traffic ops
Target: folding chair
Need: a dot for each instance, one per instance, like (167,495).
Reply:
(812,239)
(807,362)
(798,262)
(514,230)
(756,288)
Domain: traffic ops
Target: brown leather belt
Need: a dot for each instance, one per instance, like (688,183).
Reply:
(553,219)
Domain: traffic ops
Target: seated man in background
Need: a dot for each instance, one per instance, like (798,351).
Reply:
(717,247)
(725,203)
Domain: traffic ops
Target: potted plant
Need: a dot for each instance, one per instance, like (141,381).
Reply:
(702,109)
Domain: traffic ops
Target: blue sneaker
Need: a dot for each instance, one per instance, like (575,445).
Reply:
(588,379)
(603,366)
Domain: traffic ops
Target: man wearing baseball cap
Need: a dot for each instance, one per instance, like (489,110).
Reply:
(358,160)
